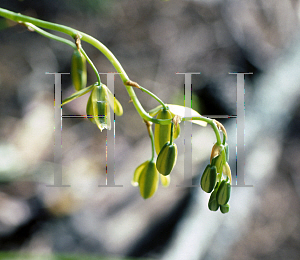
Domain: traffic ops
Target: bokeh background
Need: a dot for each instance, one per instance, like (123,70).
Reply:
(153,39)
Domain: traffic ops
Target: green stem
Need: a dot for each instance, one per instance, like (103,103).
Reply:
(171,137)
(91,64)
(65,41)
(50,35)
(152,144)
(91,40)
(141,110)
(109,55)
(210,122)
(224,139)
(154,96)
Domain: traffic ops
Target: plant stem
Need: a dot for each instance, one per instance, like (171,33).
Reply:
(209,121)
(224,139)
(91,40)
(152,145)
(154,96)
(91,64)
(65,41)
(50,35)
(171,136)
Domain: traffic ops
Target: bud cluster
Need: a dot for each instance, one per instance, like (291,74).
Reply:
(147,175)
(216,179)
(98,106)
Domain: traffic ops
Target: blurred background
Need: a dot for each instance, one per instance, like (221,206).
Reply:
(153,40)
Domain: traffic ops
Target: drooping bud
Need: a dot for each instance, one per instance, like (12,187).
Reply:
(208,179)
(227,171)
(167,158)
(223,193)
(165,180)
(162,133)
(219,161)
(215,151)
(176,128)
(137,173)
(176,131)
(212,203)
(97,108)
(78,70)
(224,208)
(148,180)
(114,103)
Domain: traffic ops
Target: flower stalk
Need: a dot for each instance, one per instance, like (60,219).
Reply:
(146,175)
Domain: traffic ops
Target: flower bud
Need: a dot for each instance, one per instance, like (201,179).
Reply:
(227,171)
(224,208)
(215,151)
(208,179)
(148,180)
(223,193)
(176,131)
(137,173)
(165,180)
(162,133)
(97,109)
(78,70)
(212,203)
(114,103)
(219,161)
(166,158)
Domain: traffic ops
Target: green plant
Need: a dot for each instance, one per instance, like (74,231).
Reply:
(166,117)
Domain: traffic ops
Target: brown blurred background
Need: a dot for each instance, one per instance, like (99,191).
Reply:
(153,40)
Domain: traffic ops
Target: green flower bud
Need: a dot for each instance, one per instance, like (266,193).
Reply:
(219,161)
(97,109)
(176,131)
(208,179)
(78,70)
(215,151)
(223,193)
(148,180)
(137,173)
(165,180)
(227,171)
(114,103)
(212,203)
(167,158)
(224,208)
(162,133)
